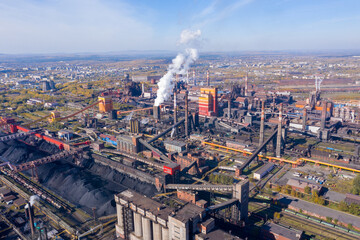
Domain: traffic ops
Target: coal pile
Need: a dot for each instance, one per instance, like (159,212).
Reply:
(120,178)
(84,189)
(90,188)
(17,152)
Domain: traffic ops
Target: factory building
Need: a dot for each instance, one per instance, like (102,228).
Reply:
(208,102)
(139,217)
(174,146)
(106,104)
(276,231)
(129,144)
(263,171)
(108,138)
(185,161)
(300,185)
(134,126)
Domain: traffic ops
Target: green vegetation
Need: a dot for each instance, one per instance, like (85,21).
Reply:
(315,198)
(352,208)
(339,185)
(221,179)
(277,216)
(356,185)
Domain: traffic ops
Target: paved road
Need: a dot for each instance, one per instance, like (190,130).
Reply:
(320,210)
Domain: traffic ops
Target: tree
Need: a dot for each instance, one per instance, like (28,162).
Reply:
(277,216)
(336,221)
(288,189)
(293,193)
(314,196)
(329,219)
(277,188)
(321,201)
(299,195)
(354,209)
(356,185)
(343,206)
(307,190)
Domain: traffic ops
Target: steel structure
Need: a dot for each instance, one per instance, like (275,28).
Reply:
(48,159)
(37,120)
(166,131)
(15,136)
(294,163)
(76,113)
(136,110)
(205,187)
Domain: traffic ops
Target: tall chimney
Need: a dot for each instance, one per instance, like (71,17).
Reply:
(175,107)
(142,89)
(279,133)
(208,78)
(186,114)
(30,215)
(229,109)
(194,77)
(262,123)
(304,119)
(156,112)
(187,77)
(323,116)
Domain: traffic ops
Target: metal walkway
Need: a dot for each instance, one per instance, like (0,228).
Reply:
(41,161)
(14,136)
(205,187)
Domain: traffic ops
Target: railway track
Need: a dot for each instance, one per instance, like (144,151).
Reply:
(335,233)
(37,190)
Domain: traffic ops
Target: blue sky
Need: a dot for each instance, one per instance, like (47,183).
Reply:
(68,26)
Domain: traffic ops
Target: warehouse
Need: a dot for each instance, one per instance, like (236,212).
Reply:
(175,146)
(262,172)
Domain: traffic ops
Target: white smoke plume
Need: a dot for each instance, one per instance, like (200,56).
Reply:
(180,64)
(318,81)
(33,199)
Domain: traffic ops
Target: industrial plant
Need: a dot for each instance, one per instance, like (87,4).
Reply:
(188,158)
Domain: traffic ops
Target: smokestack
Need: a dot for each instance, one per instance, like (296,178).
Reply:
(208,78)
(156,112)
(262,123)
(187,77)
(323,116)
(304,119)
(194,77)
(186,114)
(30,215)
(142,89)
(175,107)
(229,109)
(279,133)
